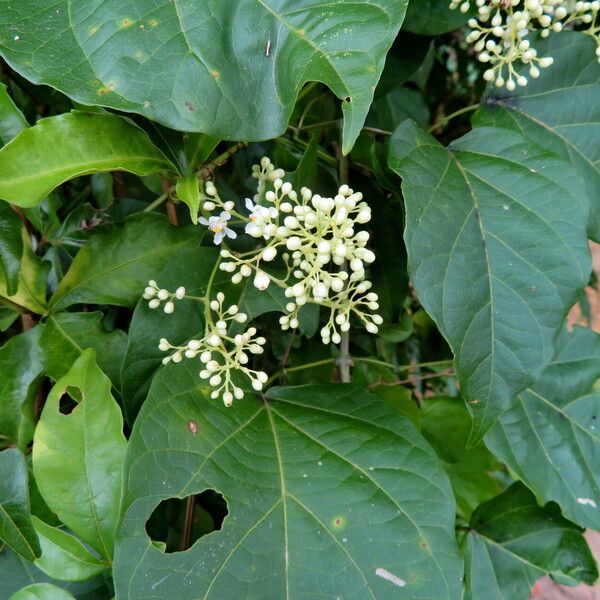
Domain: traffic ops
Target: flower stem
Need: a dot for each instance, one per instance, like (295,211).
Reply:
(156,203)
(445,120)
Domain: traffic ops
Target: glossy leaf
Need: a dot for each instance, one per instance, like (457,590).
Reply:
(198,147)
(188,191)
(59,148)
(550,436)
(545,113)
(77,458)
(509,262)
(513,542)
(21,368)
(11,247)
(202,67)
(328,491)
(16,529)
(67,335)
(12,120)
(432,17)
(42,591)
(114,267)
(63,556)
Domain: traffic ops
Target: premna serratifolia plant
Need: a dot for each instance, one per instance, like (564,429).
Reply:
(297,299)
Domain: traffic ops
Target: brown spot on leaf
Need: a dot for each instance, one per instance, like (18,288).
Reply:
(193,427)
(189,106)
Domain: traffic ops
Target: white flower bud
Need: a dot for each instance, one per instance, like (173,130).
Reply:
(238,393)
(150,292)
(227,399)
(236,278)
(293,243)
(177,357)
(320,290)
(269,253)
(271,196)
(163,345)
(205,356)
(154,303)
(229,205)
(257,384)
(215,380)
(546,61)
(208,205)
(262,376)
(286,188)
(213,340)
(371,328)
(163,294)
(212,365)
(240,317)
(335,338)
(337,285)
(341,250)
(291,222)
(261,280)
(180,293)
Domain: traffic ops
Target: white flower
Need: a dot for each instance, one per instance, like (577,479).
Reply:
(218,225)
(260,217)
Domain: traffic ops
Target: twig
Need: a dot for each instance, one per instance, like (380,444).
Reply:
(413,378)
(188,522)
(445,120)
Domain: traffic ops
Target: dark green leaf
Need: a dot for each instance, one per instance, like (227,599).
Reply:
(550,436)
(11,246)
(114,267)
(78,458)
(328,490)
(204,67)
(59,148)
(509,261)
(198,147)
(66,335)
(12,120)
(63,556)
(16,529)
(546,113)
(21,368)
(42,591)
(513,542)
(432,17)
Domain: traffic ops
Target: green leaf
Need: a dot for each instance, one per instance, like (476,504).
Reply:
(114,267)
(59,148)
(198,147)
(67,335)
(12,120)
(15,520)
(550,436)
(328,490)
(32,277)
(188,191)
(42,591)
(432,17)
(497,254)
(233,74)
(11,246)
(445,424)
(63,556)
(545,113)
(78,458)
(513,542)
(21,368)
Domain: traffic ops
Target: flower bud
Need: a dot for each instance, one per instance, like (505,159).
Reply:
(261,280)
(269,253)
(180,293)
(154,303)
(293,243)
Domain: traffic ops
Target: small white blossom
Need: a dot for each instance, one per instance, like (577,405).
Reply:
(218,225)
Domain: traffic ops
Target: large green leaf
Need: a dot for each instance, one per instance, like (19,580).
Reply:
(11,247)
(513,542)
(63,556)
(497,254)
(114,267)
(16,529)
(59,148)
(66,335)
(330,493)
(432,17)
(11,119)
(21,368)
(550,436)
(42,591)
(232,70)
(559,110)
(78,458)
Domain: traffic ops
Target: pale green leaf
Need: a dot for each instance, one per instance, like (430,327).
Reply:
(497,254)
(42,591)
(16,529)
(12,120)
(63,556)
(59,148)
(328,490)
(550,436)
(78,458)
(233,74)
(188,191)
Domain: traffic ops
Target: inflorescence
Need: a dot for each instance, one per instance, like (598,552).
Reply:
(324,255)
(501,33)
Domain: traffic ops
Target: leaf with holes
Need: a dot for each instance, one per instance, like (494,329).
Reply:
(550,436)
(330,493)
(513,542)
(510,261)
(201,66)
(59,148)
(545,113)
(78,457)
(16,529)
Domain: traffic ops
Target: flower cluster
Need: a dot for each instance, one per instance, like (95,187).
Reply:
(224,357)
(501,30)
(156,295)
(317,239)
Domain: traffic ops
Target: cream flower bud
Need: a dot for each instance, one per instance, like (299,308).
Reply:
(213,340)
(205,356)
(293,243)
(212,365)
(163,345)
(257,384)
(319,290)
(177,357)
(169,307)
(286,188)
(240,317)
(208,205)
(269,253)
(337,285)
(261,280)
(163,294)
(154,303)
(194,344)
(271,196)
(371,328)
(238,393)
(227,399)
(215,380)
(180,293)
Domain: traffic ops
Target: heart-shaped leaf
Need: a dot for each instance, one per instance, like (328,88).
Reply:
(550,436)
(78,457)
(545,113)
(509,261)
(330,493)
(16,529)
(59,148)
(513,542)
(234,74)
